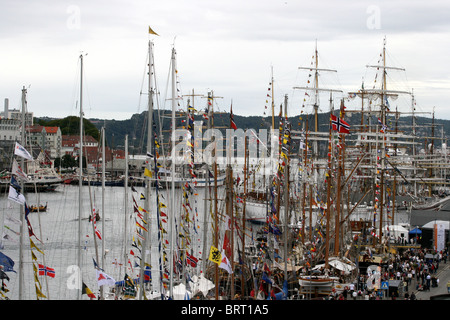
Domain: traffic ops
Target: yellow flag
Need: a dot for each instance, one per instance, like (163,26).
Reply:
(39,294)
(147,173)
(215,255)
(150,30)
(32,245)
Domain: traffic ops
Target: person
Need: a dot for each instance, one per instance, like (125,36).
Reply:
(413,296)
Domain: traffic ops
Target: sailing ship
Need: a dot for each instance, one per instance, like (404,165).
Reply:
(309,217)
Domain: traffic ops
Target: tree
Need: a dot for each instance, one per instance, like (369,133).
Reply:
(67,161)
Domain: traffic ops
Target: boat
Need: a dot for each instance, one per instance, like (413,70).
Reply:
(40,208)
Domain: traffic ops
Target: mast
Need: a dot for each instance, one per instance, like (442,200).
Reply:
(286,192)
(207,195)
(338,184)
(103,204)
(246,166)
(316,90)
(80,178)
(273,103)
(147,179)
(125,222)
(328,214)
(173,155)
(22,207)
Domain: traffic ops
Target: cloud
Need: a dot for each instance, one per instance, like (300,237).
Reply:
(225,46)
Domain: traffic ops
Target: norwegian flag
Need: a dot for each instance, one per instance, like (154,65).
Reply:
(46,271)
(191,260)
(339,125)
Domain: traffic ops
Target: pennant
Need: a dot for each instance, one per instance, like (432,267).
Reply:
(22,152)
(39,294)
(32,245)
(150,31)
(232,123)
(94,221)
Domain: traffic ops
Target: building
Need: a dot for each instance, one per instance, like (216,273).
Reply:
(71,145)
(15,114)
(48,138)
(9,130)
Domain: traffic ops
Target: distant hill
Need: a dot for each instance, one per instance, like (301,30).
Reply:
(136,126)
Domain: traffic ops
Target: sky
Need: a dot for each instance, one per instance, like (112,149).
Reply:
(232,48)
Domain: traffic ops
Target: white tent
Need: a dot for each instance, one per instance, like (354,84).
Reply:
(430,225)
(396,231)
(201,284)
(340,264)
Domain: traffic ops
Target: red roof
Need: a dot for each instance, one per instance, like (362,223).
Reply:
(51,129)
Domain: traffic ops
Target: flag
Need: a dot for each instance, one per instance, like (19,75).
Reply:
(339,125)
(15,184)
(225,263)
(46,271)
(191,260)
(22,152)
(94,221)
(129,290)
(18,171)
(7,263)
(104,279)
(265,278)
(383,126)
(86,290)
(147,173)
(232,124)
(215,255)
(16,196)
(39,293)
(150,31)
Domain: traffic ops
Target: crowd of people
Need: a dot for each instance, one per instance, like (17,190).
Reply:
(415,269)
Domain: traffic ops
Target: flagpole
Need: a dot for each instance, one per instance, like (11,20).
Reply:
(148,181)
(22,209)
(80,179)
(173,155)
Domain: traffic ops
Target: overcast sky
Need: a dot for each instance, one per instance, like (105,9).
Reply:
(229,47)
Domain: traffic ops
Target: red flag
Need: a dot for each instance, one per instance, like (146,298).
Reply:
(339,125)
(46,271)
(191,260)
(232,124)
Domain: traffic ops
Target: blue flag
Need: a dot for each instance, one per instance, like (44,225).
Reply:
(7,263)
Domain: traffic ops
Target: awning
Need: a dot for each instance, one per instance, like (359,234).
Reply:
(415,231)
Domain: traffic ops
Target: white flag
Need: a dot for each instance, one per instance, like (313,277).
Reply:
(18,171)
(104,279)
(16,196)
(225,263)
(22,152)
